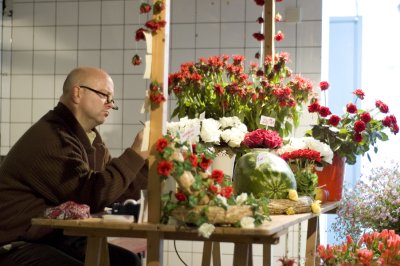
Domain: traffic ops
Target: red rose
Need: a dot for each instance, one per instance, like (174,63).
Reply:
(217,175)
(227,192)
(214,189)
(359,93)
(164,168)
(382,107)
(260,20)
(279,36)
(136,60)
(158,7)
(314,107)
(359,126)
(366,117)
(258,36)
(140,34)
(161,144)
(357,137)
(351,108)
(180,196)
(194,160)
(395,129)
(334,120)
(324,85)
(205,163)
(144,8)
(260,2)
(324,111)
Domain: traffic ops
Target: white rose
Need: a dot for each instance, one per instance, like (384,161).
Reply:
(206,230)
(241,199)
(223,200)
(233,137)
(210,131)
(247,222)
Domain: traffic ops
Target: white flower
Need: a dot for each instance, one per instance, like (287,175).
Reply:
(240,199)
(222,200)
(206,230)
(210,131)
(233,137)
(247,222)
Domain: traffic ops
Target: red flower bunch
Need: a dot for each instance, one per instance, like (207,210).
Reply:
(262,138)
(376,248)
(136,60)
(152,25)
(356,131)
(302,154)
(156,94)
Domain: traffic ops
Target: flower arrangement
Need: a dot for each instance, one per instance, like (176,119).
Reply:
(262,138)
(260,97)
(156,94)
(224,132)
(373,204)
(375,248)
(356,131)
(188,164)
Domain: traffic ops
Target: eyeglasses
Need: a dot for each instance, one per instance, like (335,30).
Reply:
(102,95)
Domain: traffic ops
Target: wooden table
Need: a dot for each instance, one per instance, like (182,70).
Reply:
(98,230)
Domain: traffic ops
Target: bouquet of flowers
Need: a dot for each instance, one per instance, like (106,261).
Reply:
(373,204)
(218,88)
(226,131)
(356,131)
(188,164)
(375,248)
(262,138)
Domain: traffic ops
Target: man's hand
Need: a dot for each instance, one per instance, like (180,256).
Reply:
(137,145)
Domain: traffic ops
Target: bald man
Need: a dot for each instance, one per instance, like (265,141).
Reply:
(63,158)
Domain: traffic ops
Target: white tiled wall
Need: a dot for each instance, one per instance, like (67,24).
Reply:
(44,40)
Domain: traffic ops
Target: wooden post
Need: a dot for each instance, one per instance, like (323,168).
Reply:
(157,122)
(269,28)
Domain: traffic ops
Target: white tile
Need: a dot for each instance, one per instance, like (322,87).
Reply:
(22,38)
(174,260)
(112,135)
(131,69)
(208,35)
(22,14)
(183,36)
(226,248)
(128,135)
(131,111)
(65,61)
(89,13)
(198,246)
(232,35)
(5,110)
(132,12)
(5,91)
(67,38)
(7,39)
(227,259)
(232,10)
(118,81)
(206,53)
(22,62)
(89,37)
(45,14)
(21,110)
(208,11)
(232,51)
(17,130)
(89,58)
(309,33)
(21,86)
(257,250)
(112,37)
(183,11)
(289,30)
(5,134)
(112,61)
(197,259)
(59,81)
(40,108)
(179,56)
(134,87)
(311,9)
(43,86)
(252,27)
(112,12)
(282,6)
(43,62)
(67,13)
(250,54)
(181,246)
(308,60)
(44,38)
(130,42)
(253,11)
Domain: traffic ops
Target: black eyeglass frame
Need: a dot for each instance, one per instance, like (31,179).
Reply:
(108,96)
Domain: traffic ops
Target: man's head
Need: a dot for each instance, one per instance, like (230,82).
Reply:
(88,93)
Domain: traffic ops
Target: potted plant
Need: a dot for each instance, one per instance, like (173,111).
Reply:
(265,96)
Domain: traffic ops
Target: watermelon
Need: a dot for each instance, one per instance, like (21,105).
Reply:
(263,174)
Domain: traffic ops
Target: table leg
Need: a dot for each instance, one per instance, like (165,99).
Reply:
(242,255)
(216,253)
(267,255)
(97,252)
(312,239)
(211,248)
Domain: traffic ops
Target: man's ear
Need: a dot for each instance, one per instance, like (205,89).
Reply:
(76,94)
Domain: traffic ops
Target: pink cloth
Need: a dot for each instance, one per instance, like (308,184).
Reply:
(68,211)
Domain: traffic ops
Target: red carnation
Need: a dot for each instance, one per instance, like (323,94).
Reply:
(334,120)
(205,163)
(395,129)
(382,107)
(366,117)
(161,144)
(279,36)
(324,85)
(351,108)
(217,175)
(359,93)
(359,126)
(258,36)
(164,168)
(324,111)
(263,138)
(144,8)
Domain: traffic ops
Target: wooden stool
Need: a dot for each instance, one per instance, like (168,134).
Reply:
(135,245)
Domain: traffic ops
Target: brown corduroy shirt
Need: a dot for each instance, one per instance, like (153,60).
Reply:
(54,162)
